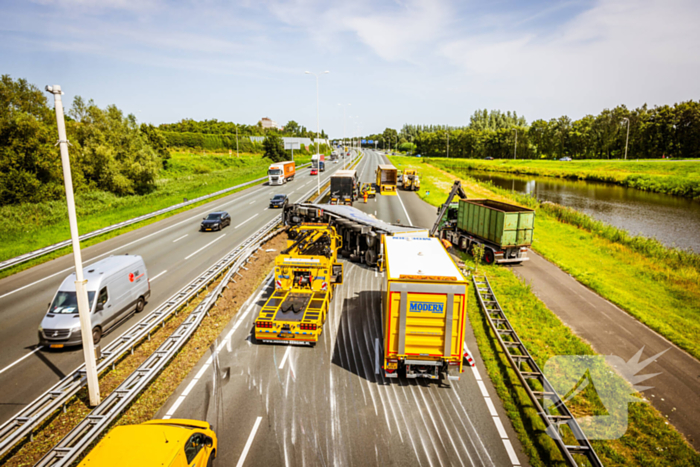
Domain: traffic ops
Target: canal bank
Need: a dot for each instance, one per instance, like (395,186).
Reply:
(649,440)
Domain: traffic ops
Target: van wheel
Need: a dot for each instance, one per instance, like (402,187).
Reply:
(212,456)
(96,335)
(140,304)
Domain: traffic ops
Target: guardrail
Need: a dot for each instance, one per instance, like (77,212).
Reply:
(528,371)
(36,413)
(95,233)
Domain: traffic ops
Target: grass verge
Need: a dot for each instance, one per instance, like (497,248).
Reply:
(148,403)
(679,178)
(650,440)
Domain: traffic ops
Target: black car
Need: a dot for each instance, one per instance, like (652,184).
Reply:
(279,201)
(216,221)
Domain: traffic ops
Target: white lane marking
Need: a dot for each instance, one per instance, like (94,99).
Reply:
(20,359)
(511,452)
(376,355)
(266,209)
(496,419)
(284,359)
(172,410)
(249,443)
(249,219)
(375,212)
(404,210)
(180,238)
(158,275)
(252,202)
(126,245)
(205,246)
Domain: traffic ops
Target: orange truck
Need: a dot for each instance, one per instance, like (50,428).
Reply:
(280,173)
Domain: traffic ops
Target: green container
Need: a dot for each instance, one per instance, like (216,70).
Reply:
(504,224)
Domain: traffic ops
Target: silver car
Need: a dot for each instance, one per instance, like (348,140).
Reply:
(117,287)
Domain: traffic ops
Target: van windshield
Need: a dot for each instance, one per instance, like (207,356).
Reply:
(67,303)
(274,172)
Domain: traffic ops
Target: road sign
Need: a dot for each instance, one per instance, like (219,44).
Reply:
(364,141)
(291,145)
(371,141)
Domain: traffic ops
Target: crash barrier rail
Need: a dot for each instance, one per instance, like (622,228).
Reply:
(95,233)
(82,436)
(527,371)
(36,413)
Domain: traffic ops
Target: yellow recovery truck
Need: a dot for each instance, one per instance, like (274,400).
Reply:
(306,273)
(424,301)
(410,180)
(386,179)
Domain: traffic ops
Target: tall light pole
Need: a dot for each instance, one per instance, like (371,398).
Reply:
(80,282)
(515,147)
(628,135)
(448,144)
(344,107)
(318,131)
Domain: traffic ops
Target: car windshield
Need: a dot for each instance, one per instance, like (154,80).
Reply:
(278,198)
(213,217)
(66,303)
(274,172)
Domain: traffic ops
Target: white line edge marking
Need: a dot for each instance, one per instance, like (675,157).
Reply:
(158,275)
(208,244)
(20,359)
(284,359)
(180,238)
(496,419)
(249,443)
(404,209)
(250,218)
(252,202)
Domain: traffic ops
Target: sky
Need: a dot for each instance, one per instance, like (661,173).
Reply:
(389,62)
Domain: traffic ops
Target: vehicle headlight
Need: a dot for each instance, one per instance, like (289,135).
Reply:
(41,328)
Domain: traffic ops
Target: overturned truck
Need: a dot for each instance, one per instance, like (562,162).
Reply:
(361,232)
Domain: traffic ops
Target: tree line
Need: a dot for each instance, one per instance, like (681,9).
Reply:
(109,151)
(657,132)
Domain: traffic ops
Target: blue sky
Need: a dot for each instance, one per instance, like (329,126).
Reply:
(395,62)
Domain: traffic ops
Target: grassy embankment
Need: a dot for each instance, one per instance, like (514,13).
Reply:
(27,227)
(679,178)
(649,440)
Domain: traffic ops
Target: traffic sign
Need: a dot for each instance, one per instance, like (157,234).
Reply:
(371,141)
(364,141)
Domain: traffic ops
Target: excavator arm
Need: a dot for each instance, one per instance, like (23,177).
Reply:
(457,190)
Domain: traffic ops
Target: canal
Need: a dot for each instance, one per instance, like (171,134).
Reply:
(672,220)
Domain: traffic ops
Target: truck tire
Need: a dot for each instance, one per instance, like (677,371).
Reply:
(489,257)
(370,258)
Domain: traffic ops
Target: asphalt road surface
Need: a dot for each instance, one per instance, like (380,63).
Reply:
(331,405)
(175,252)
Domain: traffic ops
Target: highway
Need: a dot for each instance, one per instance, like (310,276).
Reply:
(175,252)
(331,405)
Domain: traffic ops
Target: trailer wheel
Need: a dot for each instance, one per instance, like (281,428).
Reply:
(370,258)
(489,257)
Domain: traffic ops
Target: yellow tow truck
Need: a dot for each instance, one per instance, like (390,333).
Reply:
(410,180)
(369,189)
(306,273)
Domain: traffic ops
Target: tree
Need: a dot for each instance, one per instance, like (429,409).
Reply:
(273,148)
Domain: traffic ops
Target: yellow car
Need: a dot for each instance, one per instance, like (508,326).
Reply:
(369,189)
(172,443)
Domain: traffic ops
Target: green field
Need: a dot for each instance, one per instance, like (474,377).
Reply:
(27,227)
(666,297)
(679,178)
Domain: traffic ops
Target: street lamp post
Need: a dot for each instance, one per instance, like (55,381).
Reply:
(318,131)
(628,135)
(515,147)
(448,144)
(344,107)
(80,282)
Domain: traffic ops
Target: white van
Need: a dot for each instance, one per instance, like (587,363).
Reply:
(117,286)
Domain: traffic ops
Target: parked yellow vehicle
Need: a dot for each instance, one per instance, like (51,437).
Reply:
(410,180)
(424,301)
(172,443)
(369,189)
(306,273)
